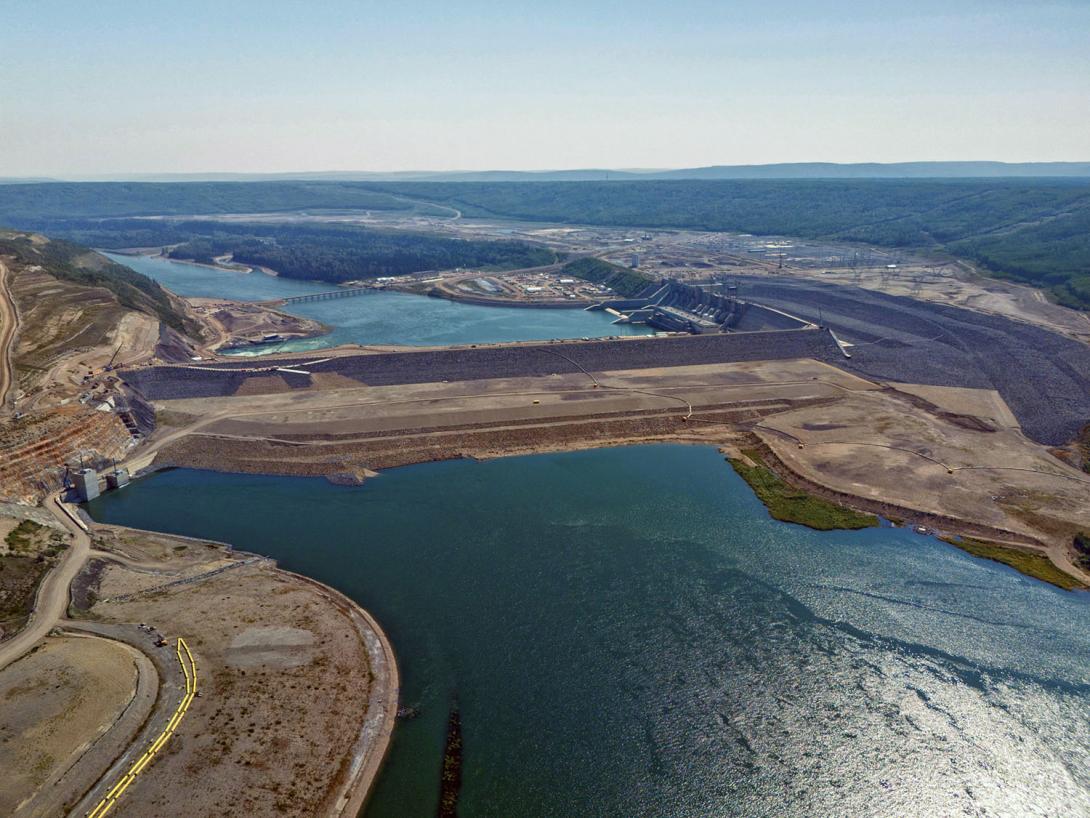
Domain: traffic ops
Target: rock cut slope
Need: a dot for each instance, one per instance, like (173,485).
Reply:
(70,316)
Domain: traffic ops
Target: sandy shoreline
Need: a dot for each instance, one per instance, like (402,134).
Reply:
(157,252)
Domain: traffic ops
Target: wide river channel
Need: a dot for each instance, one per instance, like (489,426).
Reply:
(627,633)
(379,317)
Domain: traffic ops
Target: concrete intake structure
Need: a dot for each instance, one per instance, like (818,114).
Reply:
(86,481)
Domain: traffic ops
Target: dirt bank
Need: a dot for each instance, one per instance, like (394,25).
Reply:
(241,324)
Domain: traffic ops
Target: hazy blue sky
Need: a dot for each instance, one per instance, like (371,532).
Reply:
(104,87)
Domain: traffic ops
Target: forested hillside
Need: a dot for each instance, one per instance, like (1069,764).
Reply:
(338,253)
(1031,230)
(70,262)
(1035,231)
(32,203)
(621,280)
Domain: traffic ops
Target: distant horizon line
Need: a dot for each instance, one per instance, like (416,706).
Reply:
(972,168)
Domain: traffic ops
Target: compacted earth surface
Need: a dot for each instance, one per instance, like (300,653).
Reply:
(295,689)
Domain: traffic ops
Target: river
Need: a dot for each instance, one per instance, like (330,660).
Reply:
(627,633)
(379,317)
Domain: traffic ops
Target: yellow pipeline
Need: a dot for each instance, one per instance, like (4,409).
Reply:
(190,674)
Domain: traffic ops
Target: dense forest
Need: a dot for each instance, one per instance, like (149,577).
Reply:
(621,280)
(323,252)
(1035,231)
(1031,230)
(98,200)
(343,253)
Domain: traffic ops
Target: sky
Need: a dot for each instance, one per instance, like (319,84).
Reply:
(102,88)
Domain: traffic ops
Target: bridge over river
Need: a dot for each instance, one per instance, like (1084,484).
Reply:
(341,292)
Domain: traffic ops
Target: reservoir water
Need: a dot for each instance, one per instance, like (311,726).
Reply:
(380,317)
(627,633)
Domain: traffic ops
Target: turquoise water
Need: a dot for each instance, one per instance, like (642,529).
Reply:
(380,317)
(627,633)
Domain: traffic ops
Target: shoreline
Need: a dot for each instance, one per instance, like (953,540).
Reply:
(407,289)
(368,757)
(157,252)
(937,525)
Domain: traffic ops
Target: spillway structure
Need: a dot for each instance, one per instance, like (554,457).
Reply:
(672,306)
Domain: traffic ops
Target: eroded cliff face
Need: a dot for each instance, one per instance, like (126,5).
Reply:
(37,448)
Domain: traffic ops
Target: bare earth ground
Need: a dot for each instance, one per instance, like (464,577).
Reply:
(8,325)
(286,679)
(235,321)
(56,701)
(959,285)
(67,330)
(297,689)
(952,458)
(880,446)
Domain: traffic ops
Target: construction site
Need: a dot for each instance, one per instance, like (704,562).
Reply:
(930,450)
(955,421)
(116,695)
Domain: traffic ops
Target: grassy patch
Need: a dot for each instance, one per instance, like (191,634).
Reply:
(622,280)
(790,505)
(1030,563)
(23,536)
(19,580)
(31,551)
(31,539)
(1082,550)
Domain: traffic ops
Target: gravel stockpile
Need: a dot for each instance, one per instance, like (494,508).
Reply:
(523,360)
(1043,376)
(594,356)
(172,383)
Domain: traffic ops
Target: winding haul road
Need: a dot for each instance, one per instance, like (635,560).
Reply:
(9,321)
(51,603)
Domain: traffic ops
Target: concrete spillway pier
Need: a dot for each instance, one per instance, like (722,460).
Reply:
(677,307)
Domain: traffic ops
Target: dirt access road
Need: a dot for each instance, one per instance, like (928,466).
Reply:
(51,604)
(9,322)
